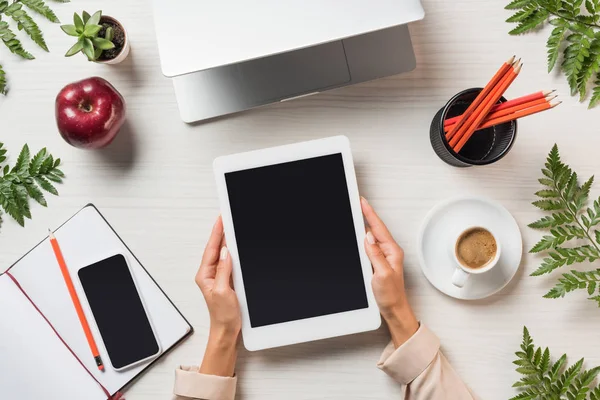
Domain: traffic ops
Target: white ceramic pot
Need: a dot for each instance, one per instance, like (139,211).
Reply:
(126,47)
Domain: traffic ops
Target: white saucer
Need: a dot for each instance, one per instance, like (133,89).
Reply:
(438,235)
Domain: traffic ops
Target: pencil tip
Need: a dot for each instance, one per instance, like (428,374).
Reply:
(555,104)
(50,234)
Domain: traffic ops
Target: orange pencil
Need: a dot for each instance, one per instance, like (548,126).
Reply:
(519,114)
(482,95)
(507,104)
(84,323)
(458,142)
(507,111)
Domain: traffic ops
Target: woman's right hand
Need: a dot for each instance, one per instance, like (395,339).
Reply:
(387,258)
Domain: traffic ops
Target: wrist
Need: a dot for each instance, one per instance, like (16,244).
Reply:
(222,337)
(221,352)
(402,324)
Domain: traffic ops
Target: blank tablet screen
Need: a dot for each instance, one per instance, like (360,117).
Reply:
(296,240)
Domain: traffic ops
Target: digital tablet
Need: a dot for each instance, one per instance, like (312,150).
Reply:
(295,232)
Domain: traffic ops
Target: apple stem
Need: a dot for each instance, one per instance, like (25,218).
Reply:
(85,106)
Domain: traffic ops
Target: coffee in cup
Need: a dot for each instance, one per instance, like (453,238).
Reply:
(475,248)
(476,251)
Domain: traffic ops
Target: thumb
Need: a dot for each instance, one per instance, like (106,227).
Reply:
(224,267)
(380,263)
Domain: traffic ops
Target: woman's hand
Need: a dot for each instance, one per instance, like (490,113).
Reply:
(214,280)
(388,277)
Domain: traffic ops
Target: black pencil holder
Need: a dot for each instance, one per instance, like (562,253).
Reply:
(486,146)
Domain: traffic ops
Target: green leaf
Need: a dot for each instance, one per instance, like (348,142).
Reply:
(95,18)
(553,45)
(546,182)
(22,161)
(85,16)
(547,194)
(36,162)
(78,22)
(595,99)
(47,186)
(70,30)
(548,205)
(2,81)
(27,23)
(14,45)
(36,194)
(102,44)
(41,8)
(91,31)
(88,49)
(530,23)
(76,48)
(597,235)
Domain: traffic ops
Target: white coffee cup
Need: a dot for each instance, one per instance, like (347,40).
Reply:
(462,273)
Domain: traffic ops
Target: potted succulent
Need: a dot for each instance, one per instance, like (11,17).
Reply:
(101,38)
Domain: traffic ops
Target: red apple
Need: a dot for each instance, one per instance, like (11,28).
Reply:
(89,113)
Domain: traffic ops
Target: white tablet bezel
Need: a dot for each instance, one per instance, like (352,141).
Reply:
(311,328)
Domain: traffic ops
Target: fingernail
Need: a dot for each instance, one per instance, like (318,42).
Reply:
(370,238)
(224,253)
(364,200)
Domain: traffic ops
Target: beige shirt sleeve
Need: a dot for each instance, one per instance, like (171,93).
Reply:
(422,368)
(190,384)
(418,364)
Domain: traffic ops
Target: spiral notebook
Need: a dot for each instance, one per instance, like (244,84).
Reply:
(34,362)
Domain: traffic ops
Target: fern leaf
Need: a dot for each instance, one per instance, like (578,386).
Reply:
(595,99)
(548,265)
(2,81)
(573,58)
(41,8)
(27,23)
(47,186)
(553,46)
(13,44)
(36,162)
(2,153)
(36,194)
(530,23)
(22,161)
(590,67)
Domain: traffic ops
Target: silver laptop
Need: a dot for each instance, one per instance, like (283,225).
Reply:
(255,55)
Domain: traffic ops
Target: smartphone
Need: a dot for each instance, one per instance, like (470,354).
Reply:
(119,312)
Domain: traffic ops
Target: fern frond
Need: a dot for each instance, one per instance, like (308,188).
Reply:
(2,81)
(41,8)
(26,23)
(13,44)
(595,99)
(553,45)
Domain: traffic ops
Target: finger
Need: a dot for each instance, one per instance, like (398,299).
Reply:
(381,233)
(210,257)
(378,260)
(211,251)
(378,228)
(224,268)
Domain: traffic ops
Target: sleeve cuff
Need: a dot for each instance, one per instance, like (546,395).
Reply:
(408,361)
(190,383)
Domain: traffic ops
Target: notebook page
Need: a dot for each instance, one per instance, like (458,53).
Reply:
(84,239)
(34,363)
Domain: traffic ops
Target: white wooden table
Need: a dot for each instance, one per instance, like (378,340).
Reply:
(155,186)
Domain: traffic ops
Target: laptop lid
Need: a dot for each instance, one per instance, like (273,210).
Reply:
(195,35)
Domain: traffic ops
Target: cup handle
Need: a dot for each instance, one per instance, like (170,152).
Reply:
(460,278)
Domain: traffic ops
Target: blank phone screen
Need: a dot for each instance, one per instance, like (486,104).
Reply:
(296,240)
(118,311)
